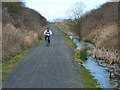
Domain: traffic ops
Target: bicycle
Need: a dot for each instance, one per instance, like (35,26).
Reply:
(47,39)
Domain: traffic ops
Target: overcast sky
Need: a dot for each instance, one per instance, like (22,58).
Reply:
(52,9)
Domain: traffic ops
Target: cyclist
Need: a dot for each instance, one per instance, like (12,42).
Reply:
(47,34)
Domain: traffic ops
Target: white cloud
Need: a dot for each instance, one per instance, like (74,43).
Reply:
(52,12)
(64,1)
(58,8)
(43,0)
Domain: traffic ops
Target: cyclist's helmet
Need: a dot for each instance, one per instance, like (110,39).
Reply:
(47,29)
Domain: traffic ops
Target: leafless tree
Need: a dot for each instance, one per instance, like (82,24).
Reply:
(77,12)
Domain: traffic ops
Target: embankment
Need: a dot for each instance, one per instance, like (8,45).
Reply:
(21,28)
(100,27)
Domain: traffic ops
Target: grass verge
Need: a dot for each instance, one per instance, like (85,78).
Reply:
(9,65)
(68,40)
(85,75)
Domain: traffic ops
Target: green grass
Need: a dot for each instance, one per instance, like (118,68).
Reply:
(9,65)
(68,40)
(65,25)
(86,77)
(83,54)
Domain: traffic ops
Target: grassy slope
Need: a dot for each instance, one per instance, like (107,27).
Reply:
(88,80)
(66,27)
(9,65)
(99,27)
(21,26)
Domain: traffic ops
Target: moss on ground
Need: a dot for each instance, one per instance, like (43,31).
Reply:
(85,75)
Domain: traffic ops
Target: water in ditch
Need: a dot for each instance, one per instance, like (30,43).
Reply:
(100,72)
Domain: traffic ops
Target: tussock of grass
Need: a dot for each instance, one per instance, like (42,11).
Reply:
(83,54)
(76,57)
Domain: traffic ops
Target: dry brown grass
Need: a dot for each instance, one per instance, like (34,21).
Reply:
(100,27)
(107,37)
(14,40)
(22,27)
(66,26)
(10,44)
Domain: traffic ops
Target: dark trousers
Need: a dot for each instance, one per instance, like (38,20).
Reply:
(48,38)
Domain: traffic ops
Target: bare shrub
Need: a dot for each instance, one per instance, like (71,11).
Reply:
(21,28)
(9,42)
(100,26)
(77,12)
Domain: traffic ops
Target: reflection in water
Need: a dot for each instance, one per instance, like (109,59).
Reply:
(99,73)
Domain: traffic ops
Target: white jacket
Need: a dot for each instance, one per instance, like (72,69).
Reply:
(48,33)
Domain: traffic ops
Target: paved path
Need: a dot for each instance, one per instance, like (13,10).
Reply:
(46,67)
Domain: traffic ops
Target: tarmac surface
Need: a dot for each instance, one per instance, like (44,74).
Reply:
(46,67)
